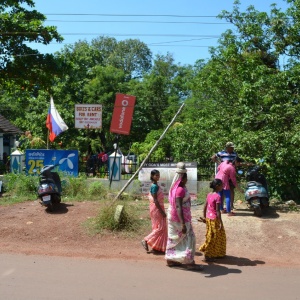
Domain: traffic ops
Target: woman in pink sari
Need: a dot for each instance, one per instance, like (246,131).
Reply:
(181,238)
(157,239)
(227,173)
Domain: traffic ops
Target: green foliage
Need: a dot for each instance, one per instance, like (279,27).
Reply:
(20,24)
(19,187)
(76,188)
(247,92)
(142,149)
(97,190)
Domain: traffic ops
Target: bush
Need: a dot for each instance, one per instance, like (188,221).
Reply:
(96,189)
(20,184)
(75,187)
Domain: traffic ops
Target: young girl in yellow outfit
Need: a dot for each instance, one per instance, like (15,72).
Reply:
(215,243)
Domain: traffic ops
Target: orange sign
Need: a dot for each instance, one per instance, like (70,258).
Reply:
(122,114)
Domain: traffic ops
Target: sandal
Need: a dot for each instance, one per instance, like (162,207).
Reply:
(194,267)
(209,259)
(171,263)
(145,245)
(231,214)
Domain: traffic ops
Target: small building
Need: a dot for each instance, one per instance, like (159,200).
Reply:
(8,134)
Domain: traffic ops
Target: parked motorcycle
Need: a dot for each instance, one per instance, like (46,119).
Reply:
(256,193)
(49,190)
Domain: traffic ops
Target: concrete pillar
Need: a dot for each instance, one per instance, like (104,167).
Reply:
(1,146)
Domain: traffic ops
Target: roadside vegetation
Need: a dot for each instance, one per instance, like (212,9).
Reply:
(134,217)
(247,92)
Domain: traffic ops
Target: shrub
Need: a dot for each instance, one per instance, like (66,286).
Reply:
(96,189)
(75,187)
(20,184)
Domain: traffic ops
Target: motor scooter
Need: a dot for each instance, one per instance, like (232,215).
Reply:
(49,190)
(256,193)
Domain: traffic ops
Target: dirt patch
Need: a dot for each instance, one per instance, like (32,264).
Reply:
(27,228)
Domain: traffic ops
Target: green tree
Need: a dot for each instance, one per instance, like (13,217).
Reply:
(244,95)
(93,73)
(18,61)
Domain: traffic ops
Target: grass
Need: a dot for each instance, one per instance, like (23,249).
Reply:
(133,220)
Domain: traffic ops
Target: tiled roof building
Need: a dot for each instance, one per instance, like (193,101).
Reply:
(7,127)
(8,134)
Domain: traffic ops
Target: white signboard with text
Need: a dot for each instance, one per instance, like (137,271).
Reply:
(167,172)
(88,116)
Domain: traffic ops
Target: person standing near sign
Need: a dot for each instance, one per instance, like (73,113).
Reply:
(157,239)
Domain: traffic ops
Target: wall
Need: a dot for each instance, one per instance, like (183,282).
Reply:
(135,186)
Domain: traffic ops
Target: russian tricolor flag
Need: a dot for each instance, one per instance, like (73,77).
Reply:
(54,122)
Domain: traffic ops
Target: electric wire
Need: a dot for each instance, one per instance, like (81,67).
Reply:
(150,22)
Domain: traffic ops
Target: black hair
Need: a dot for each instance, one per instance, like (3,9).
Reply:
(153,172)
(184,176)
(215,183)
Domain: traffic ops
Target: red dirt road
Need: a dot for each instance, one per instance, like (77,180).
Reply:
(26,228)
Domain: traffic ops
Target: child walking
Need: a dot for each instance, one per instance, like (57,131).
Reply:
(157,239)
(215,243)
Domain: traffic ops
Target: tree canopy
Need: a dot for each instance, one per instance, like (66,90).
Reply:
(247,92)
(19,26)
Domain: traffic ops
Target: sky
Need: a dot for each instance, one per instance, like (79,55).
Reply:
(186,29)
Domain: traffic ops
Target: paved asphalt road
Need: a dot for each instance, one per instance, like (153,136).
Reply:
(55,278)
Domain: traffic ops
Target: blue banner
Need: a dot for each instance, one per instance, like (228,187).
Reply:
(65,160)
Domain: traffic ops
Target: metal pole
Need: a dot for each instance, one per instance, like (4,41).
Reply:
(146,158)
(48,138)
(114,161)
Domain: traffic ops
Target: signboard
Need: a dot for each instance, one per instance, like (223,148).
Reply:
(122,114)
(66,161)
(167,173)
(88,116)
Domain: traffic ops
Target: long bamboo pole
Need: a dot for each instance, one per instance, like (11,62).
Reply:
(153,148)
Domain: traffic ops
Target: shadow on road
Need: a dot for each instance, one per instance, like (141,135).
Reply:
(217,268)
(61,208)
(238,261)
(269,213)
(213,270)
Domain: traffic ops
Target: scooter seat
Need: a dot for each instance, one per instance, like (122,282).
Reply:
(253,183)
(47,180)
